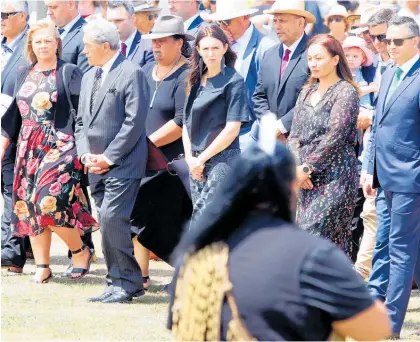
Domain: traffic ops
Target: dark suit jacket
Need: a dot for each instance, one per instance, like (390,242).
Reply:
(279,95)
(11,121)
(395,158)
(195,26)
(116,126)
(73,46)
(141,51)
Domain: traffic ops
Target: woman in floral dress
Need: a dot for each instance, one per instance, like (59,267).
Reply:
(46,189)
(322,138)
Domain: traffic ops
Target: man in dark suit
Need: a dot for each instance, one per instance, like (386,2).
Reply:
(69,23)
(13,29)
(395,163)
(111,142)
(284,68)
(249,44)
(188,11)
(132,47)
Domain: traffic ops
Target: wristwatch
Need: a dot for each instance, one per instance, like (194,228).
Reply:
(306,169)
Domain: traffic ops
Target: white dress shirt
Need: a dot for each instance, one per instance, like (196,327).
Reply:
(240,46)
(68,27)
(292,49)
(189,21)
(129,42)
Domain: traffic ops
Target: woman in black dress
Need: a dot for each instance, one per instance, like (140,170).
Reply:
(323,138)
(163,204)
(308,288)
(214,111)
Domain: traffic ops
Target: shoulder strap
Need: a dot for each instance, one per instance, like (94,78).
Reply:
(67,71)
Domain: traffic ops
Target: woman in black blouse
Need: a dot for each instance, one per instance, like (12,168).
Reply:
(163,204)
(215,108)
(308,288)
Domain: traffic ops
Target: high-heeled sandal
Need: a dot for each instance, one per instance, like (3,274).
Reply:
(145,280)
(82,271)
(45,280)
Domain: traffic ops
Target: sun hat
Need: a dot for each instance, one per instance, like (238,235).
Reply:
(295,7)
(337,11)
(357,42)
(144,6)
(228,9)
(167,26)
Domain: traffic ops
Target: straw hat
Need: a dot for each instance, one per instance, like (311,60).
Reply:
(295,7)
(337,11)
(360,43)
(167,26)
(228,9)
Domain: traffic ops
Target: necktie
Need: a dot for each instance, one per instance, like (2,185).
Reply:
(124,49)
(60,31)
(284,62)
(394,85)
(96,87)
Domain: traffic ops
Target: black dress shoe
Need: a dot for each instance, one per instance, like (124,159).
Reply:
(100,298)
(123,297)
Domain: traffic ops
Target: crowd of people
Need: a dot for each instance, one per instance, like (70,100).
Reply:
(221,137)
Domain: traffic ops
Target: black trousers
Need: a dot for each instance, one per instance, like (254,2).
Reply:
(357,226)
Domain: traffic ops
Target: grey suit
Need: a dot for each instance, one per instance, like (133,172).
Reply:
(196,26)
(73,46)
(141,51)
(115,128)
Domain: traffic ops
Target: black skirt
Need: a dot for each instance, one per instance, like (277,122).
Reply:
(160,213)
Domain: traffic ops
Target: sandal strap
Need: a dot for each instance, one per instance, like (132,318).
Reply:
(43,266)
(78,270)
(79,250)
(145,279)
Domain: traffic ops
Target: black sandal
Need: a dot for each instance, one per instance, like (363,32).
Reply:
(45,280)
(83,271)
(145,280)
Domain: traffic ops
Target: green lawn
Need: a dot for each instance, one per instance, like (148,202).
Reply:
(59,311)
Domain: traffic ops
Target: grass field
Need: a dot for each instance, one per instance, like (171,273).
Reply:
(59,311)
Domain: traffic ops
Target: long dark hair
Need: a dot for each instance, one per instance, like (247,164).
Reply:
(186,48)
(334,48)
(197,65)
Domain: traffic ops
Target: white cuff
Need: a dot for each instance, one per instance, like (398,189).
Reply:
(281,127)
(83,158)
(108,161)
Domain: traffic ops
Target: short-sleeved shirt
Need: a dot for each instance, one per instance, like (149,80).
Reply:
(168,105)
(209,108)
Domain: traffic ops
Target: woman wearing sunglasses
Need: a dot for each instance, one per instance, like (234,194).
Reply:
(145,15)
(337,23)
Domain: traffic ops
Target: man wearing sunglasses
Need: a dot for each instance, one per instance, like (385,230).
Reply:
(145,15)
(14,17)
(395,165)
(132,47)
(249,44)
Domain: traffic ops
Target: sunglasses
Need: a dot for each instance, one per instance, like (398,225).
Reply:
(150,17)
(397,41)
(336,19)
(6,15)
(224,22)
(380,37)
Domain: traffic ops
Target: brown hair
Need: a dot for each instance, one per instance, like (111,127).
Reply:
(35,27)
(196,62)
(334,48)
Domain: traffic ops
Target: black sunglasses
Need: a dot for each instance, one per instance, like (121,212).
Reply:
(380,37)
(150,17)
(224,22)
(6,15)
(336,19)
(397,41)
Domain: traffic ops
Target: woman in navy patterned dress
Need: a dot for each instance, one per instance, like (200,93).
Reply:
(322,139)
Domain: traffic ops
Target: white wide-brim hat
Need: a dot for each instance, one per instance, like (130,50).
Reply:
(337,11)
(295,7)
(229,9)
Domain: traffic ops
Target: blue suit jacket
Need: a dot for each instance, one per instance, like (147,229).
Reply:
(141,51)
(395,158)
(279,95)
(257,46)
(73,47)
(195,26)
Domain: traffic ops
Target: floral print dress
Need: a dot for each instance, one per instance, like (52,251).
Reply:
(324,137)
(46,187)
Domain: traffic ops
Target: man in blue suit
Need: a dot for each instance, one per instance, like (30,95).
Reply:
(249,44)
(69,23)
(395,162)
(14,31)
(188,11)
(284,67)
(132,47)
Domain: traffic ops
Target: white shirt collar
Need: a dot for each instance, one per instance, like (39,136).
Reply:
(189,21)
(406,67)
(70,25)
(293,47)
(129,41)
(246,37)
(106,68)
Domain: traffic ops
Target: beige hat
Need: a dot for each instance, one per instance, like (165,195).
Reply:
(228,9)
(367,12)
(295,7)
(337,11)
